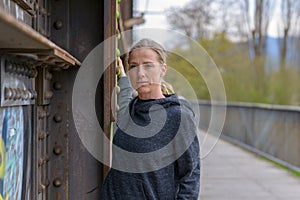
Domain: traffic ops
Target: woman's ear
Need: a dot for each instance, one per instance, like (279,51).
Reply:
(163,70)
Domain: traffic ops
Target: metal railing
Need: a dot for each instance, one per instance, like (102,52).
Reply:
(270,130)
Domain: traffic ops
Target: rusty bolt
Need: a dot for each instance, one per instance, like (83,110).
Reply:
(45,183)
(57,150)
(42,135)
(8,66)
(57,85)
(58,24)
(42,114)
(41,161)
(57,118)
(48,94)
(57,182)
(7,93)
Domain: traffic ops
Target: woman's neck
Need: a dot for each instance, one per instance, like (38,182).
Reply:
(145,94)
(146,97)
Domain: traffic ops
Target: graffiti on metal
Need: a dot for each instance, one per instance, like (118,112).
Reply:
(11,152)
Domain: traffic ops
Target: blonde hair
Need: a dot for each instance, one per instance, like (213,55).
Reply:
(166,88)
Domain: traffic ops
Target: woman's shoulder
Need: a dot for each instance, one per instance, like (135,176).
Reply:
(181,106)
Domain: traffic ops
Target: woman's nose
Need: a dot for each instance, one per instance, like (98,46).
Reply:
(141,71)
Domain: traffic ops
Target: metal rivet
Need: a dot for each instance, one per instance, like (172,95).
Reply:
(58,24)
(57,85)
(13,93)
(48,94)
(33,94)
(24,95)
(46,183)
(8,66)
(41,161)
(42,135)
(42,114)
(7,93)
(57,150)
(18,94)
(57,118)
(14,67)
(57,182)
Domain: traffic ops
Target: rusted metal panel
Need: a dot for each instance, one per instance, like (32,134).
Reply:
(58,146)
(81,175)
(18,174)
(20,10)
(42,17)
(77,27)
(27,5)
(109,75)
(17,80)
(42,155)
(17,37)
(61,167)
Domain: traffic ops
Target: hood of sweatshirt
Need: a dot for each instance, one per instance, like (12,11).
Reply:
(142,110)
(154,133)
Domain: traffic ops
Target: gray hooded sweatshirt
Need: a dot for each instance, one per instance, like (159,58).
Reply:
(155,150)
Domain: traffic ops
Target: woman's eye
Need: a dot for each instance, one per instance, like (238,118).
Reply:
(132,66)
(148,65)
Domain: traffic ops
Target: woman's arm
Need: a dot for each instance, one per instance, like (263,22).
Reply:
(187,167)
(125,93)
(188,173)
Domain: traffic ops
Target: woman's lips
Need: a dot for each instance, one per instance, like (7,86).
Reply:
(141,82)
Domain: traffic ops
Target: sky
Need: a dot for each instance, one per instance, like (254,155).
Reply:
(157,19)
(157,7)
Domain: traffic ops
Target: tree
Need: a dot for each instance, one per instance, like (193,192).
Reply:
(193,18)
(199,19)
(262,11)
(242,61)
(290,16)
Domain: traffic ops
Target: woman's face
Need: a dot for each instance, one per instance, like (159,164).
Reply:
(145,71)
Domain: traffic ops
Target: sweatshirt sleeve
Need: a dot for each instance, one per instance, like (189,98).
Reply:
(188,173)
(124,96)
(187,168)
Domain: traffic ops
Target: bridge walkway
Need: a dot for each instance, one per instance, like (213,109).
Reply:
(230,172)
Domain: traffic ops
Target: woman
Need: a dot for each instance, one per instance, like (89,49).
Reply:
(156,130)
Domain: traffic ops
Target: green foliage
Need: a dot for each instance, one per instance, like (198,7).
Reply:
(245,78)
(292,171)
(284,87)
(185,78)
